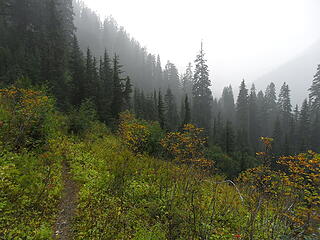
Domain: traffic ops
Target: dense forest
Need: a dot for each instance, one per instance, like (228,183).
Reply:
(67,78)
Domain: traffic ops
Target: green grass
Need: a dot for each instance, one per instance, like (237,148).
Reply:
(127,196)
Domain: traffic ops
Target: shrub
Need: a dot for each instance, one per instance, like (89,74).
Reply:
(187,145)
(139,135)
(26,118)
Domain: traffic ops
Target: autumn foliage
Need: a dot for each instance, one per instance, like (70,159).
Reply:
(187,145)
(295,187)
(24,115)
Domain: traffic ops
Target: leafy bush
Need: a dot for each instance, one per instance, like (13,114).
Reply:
(139,135)
(187,145)
(26,118)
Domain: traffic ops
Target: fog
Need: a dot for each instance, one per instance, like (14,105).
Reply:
(242,39)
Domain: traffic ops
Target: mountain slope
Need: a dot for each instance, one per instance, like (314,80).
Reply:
(298,73)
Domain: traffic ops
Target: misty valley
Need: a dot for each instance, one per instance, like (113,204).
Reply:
(100,139)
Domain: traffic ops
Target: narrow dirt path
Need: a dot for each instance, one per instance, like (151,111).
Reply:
(68,205)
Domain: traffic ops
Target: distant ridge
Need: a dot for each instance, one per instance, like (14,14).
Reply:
(298,73)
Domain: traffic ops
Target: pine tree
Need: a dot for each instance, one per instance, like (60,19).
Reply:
(243,107)
(315,133)
(278,137)
(127,94)
(271,110)
(285,107)
(187,79)
(315,91)
(161,118)
(229,138)
(171,114)
(117,101)
(304,127)
(76,66)
(227,104)
(253,118)
(187,111)
(202,96)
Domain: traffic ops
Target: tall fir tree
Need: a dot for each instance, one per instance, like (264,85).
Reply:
(171,114)
(202,95)
(243,107)
(117,100)
(253,118)
(315,91)
(304,127)
(285,107)
(187,111)
(161,117)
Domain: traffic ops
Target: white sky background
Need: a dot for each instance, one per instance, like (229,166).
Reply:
(242,38)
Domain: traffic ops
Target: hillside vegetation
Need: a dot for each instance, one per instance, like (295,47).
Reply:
(125,192)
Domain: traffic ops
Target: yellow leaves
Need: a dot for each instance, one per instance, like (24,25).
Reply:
(133,132)
(187,145)
(267,141)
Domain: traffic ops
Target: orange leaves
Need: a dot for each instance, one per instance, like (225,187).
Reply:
(134,133)
(187,145)
(304,173)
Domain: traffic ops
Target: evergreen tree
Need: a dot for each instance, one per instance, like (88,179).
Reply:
(202,96)
(243,107)
(187,111)
(229,138)
(315,133)
(285,107)
(304,127)
(76,66)
(315,91)
(227,104)
(187,80)
(117,101)
(171,114)
(161,118)
(271,110)
(127,94)
(253,118)
(278,137)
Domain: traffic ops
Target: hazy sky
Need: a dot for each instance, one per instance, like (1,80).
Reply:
(242,38)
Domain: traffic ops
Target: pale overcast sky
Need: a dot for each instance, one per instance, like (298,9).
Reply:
(242,38)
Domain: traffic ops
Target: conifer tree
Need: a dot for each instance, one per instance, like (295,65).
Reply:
(202,96)
(117,101)
(253,118)
(270,108)
(127,94)
(229,138)
(187,111)
(227,104)
(76,66)
(171,114)
(187,80)
(285,107)
(304,126)
(243,107)
(278,137)
(315,91)
(161,118)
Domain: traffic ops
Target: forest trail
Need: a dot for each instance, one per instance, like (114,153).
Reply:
(68,205)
